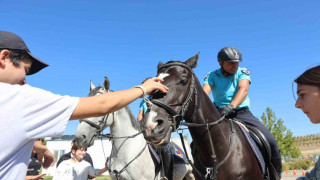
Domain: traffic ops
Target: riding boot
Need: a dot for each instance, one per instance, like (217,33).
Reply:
(277,164)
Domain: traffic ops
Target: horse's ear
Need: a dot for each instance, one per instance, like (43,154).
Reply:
(192,62)
(91,86)
(159,65)
(106,83)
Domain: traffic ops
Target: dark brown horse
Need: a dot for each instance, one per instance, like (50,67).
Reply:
(222,150)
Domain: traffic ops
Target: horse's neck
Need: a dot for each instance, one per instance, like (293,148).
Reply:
(129,150)
(220,133)
(122,126)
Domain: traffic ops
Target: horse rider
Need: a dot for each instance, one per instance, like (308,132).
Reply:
(230,86)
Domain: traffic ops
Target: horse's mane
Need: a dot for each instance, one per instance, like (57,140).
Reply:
(134,122)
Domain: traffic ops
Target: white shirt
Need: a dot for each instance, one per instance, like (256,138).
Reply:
(69,170)
(28,113)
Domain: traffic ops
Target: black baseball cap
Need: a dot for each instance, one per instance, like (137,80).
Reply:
(12,41)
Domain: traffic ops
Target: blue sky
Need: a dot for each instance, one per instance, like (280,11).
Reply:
(125,40)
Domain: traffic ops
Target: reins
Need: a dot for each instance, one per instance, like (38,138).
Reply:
(112,138)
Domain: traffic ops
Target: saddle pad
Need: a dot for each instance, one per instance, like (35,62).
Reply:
(253,146)
(179,157)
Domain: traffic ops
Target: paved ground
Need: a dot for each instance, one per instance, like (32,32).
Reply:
(290,175)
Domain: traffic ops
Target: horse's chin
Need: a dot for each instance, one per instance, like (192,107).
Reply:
(165,140)
(85,144)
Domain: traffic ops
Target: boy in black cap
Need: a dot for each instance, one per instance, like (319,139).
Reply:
(28,113)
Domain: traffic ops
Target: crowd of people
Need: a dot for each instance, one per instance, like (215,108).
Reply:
(40,113)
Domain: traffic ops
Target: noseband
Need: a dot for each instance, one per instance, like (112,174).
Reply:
(98,127)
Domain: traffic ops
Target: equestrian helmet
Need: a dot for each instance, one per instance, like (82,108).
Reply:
(229,54)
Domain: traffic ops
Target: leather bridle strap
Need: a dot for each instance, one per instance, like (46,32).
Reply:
(91,123)
(171,111)
(175,64)
(178,116)
(98,127)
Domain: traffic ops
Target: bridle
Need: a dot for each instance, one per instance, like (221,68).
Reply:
(103,122)
(99,127)
(117,173)
(177,117)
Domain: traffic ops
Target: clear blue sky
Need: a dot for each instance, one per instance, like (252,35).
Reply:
(124,40)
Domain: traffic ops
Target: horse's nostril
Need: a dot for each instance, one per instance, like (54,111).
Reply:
(84,136)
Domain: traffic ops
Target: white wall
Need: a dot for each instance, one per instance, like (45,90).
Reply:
(58,148)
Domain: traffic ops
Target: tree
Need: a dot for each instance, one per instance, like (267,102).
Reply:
(282,135)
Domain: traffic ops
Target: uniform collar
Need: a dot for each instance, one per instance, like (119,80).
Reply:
(219,73)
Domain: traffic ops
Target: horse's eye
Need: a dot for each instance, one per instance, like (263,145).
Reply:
(183,81)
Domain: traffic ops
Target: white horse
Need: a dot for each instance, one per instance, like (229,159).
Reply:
(130,157)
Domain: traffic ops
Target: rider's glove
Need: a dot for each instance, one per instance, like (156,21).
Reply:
(227,110)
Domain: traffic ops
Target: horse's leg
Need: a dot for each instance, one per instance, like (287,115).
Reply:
(189,174)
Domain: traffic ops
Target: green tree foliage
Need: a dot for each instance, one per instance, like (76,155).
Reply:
(281,133)
(185,136)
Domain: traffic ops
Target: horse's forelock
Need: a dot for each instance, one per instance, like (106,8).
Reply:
(95,91)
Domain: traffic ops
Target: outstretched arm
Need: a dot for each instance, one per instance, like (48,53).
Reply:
(112,101)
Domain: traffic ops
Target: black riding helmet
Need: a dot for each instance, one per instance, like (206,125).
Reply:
(230,54)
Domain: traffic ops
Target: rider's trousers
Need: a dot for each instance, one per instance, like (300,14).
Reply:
(246,116)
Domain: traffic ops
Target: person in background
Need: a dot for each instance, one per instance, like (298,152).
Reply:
(143,105)
(35,162)
(68,156)
(308,91)
(37,113)
(76,168)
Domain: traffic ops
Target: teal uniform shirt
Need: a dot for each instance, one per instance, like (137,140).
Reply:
(225,88)
(143,106)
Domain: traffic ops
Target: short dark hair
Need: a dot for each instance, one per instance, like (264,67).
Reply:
(310,77)
(76,147)
(17,56)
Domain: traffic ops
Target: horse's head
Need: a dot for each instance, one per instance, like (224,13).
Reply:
(90,128)
(167,110)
